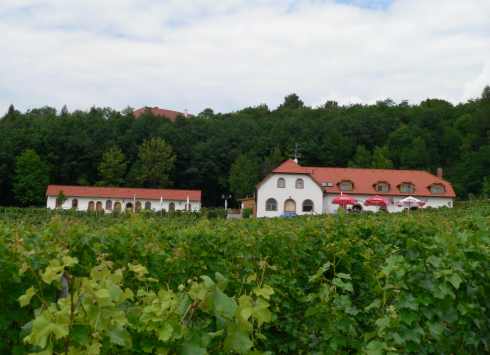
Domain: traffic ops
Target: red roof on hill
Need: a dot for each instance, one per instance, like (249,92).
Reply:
(162,112)
(123,192)
(364,179)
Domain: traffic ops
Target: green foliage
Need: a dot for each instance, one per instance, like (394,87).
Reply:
(357,283)
(61,198)
(247,212)
(156,162)
(362,159)
(243,176)
(32,178)
(380,158)
(292,101)
(272,161)
(112,168)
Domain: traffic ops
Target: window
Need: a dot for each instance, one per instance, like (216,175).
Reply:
(437,190)
(171,206)
(147,205)
(308,206)
(281,183)
(408,188)
(289,206)
(108,205)
(271,205)
(138,206)
(299,183)
(382,188)
(74,203)
(346,187)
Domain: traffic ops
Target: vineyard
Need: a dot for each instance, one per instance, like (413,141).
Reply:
(404,283)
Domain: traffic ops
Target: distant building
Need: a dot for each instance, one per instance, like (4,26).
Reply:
(310,190)
(120,198)
(162,112)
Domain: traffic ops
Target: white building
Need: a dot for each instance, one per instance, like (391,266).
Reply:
(119,198)
(310,190)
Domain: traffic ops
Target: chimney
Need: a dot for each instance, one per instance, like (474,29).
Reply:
(313,172)
(185,113)
(439,173)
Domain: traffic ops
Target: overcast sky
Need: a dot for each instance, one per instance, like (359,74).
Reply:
(228,55)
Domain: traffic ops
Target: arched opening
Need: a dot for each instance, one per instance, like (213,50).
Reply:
(281,183)
(171,206)
(299,183)
(117,206)
(108,205)
(91,206)
(138,206)
(147,205)
(74,203)
(307,206)
(129,205)
(357,208)
(290,206)
(271,205)
(99,206)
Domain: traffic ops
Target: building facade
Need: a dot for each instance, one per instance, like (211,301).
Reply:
(310,190)
(116,198)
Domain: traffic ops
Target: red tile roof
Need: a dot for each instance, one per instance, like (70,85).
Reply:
(122,192)
(364,179)
(160,111)
(290,167)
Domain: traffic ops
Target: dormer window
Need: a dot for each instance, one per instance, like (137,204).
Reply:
(281,183)
(382,186)
(345,185)
(407,187)
(437,188)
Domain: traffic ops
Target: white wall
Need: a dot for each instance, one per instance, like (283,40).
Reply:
(155,203)
(269,189)
(435,202)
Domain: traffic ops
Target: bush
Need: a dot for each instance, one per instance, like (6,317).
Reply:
(247,212)
(212,214)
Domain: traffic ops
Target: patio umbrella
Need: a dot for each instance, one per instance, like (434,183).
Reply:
(344,200)
(377,201)
(410,201)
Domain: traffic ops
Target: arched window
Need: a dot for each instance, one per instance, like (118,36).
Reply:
(299,184)
(74,203)
(108,205)
(138,205)
(290,206)
(171,206)
(281,183)
(307,206)
(147,205)
(117,206)
(271,205)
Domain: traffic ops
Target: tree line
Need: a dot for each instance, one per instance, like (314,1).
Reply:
(230,152)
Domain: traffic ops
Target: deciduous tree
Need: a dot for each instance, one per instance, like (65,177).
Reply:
(243,176)
(32,178)
(112,168)
(156,162)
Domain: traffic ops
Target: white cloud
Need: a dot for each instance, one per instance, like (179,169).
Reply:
(228,55)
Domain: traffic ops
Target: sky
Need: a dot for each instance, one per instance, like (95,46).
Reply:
(228,55)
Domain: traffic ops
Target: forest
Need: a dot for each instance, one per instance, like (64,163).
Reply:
(222,153)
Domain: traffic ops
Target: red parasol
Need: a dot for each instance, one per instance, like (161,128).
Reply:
(344,200)
(377,201)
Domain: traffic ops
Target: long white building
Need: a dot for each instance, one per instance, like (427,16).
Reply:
(118,198)
(310,190)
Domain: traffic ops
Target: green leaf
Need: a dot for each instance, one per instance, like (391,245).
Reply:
(26,299)
(69,261)
(224,305)
(434,260)
(238,340)
(376,347)
(390,262)
(408,301)
(436,330)
(53,272)
(194,349)
(454,279)
(165,332)
(266,291)
(344,276)
(222,281)
(118,335)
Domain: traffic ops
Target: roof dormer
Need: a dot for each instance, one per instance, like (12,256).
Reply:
(345,185)
(382,186)
(437,188)
(406,187)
